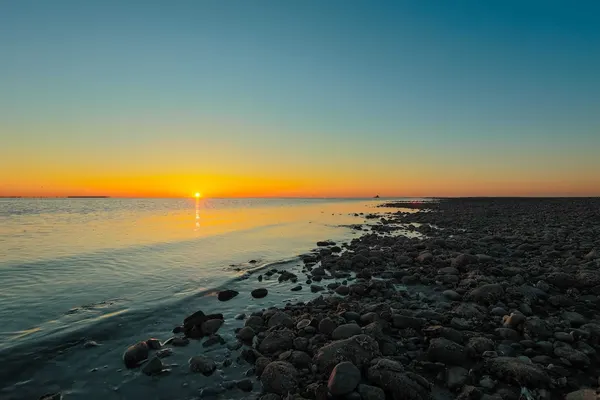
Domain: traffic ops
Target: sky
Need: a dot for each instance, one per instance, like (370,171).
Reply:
(336,98)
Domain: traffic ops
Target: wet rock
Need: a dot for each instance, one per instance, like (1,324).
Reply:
(260,364)
(211,326)
(513,370)
(342,290)
(166,352)
(316,288)
(245,385)
(301,343)
(573,318)
(277,341)
(359,350)
(368,392)
(135,354)
(463,260)
(213,340)
(398,384)
(259,293)
(425,257)
(343,379)
(296,288)
(255,322)
(225,295)
(279,377)
(153,367)
(202,364)
(280,318)
(456,377)
(536,327)
(564,337)
(180,341)
(345,331)
(298,359)
(246,334)
(446,351)
(513,320)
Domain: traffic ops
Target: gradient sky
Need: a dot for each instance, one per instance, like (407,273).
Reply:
(299,98)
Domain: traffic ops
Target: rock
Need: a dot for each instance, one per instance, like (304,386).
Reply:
(425,257)
(245,385)
(573,318)
(225,295)
(464,260)
(452,295)
(359,350)
(498,311)
(166,352)
(280,318)
(153,344)
(180,341)
(153,367)
(213,340)
(456,377)
(298,359)
(260,364)
(135,354)
(508,334)
(582,394)
(246,334)
(403,322)
(279,377)
(316,288)
(478,345)
(513,320)
(259,293)
(398,384)
(277,341)
(575,357)
(513,370)
(327,326)
(255,322)
(301,343)
(345,331)
(446,351)
(368,392)
(564,337)
(342,290)
(296,288)
(487,294)
(211,326)
(343,379)
(536,327)
(202,364)
(448,271)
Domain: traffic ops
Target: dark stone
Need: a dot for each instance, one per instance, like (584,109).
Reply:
(259,293)
(225,295)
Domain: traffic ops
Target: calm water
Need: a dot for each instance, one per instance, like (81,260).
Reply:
(110,269)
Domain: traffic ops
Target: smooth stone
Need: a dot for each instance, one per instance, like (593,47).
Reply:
(153,367)
(451,295)
(343,379)
(211,326)
(259,293)
(225,295)
(135,354)
(368,392)
(296,288)
(246,334)
(279,377)
(245,385)
(202,364)
(345,331)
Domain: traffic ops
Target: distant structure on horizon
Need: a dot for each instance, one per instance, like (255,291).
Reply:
(376,196)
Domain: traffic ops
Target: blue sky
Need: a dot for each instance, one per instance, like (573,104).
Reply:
(444,87)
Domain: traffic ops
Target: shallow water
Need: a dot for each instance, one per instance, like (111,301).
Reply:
(118,271)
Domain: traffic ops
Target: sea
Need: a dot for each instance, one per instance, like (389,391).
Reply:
(117,271)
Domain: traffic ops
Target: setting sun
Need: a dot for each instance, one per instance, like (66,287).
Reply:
(197,195)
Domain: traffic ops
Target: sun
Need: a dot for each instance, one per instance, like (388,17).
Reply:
(198,195)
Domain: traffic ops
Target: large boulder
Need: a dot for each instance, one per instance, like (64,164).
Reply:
(280,318)
(575,357)
(202,364)
(345,331)
(514,370)
(359,350)
(279,377)
(390,376)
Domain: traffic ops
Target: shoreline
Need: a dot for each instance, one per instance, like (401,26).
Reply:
(499,300)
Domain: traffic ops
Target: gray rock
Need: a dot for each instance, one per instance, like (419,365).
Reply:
(280,318)
(180,341)
(279,377)
(487,294)
(446,351)
(345,331)
(456,377)
(260,365)
(574,318)
(398,384)
(211,326)
(368,392)
(202,364)
(510,369)
(564,337)
(277,341)
(575,357)
(245,385)
(403,322)
(153,367)
(255,322)
(478,345)
(359,350)
(327,326)
(536,327)
(513,320)
(342,290)
(451,295)
(582,394)
(153,344)
(343,379)
(246,334)
(316,288)
(135,354)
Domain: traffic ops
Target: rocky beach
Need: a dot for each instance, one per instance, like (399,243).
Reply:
(495,299)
